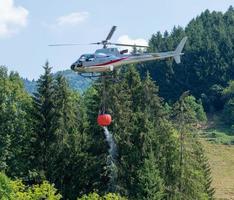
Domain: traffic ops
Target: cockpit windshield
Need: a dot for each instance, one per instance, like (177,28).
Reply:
(86,57)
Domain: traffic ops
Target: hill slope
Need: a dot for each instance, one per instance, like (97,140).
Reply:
(75,81)
(222,165)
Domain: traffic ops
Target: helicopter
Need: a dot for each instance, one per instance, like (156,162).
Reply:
(108,59)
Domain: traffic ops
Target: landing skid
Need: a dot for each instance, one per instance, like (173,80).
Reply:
(94,76)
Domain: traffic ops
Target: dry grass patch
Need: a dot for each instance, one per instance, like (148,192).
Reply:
(221,159)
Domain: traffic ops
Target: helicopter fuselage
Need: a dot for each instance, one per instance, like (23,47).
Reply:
(108,59)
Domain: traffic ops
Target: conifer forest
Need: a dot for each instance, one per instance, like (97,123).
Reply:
(51,146)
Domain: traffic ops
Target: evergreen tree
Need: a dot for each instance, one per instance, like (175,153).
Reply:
(43,111)
(228,111)
(69,158)
(205,167)
(150,183)
(97,147)
(207,64)
(194,178)
(65,109)
(140,126)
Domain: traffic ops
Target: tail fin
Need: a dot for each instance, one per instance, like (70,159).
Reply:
(178,50)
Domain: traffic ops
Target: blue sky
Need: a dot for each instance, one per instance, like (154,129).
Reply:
(27,27)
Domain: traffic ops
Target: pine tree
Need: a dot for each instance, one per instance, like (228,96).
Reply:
(193,179)
(207,62)
(64,119)
(43,111)
(140,126)
(69,158)
(97,146)
(205,167)
(151,185)
(160,135)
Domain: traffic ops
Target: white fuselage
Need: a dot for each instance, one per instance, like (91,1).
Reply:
(108,59)
(104,60)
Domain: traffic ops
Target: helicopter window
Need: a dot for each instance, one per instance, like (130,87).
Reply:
(90,57)
(86,57)
(101,55)
(82,58)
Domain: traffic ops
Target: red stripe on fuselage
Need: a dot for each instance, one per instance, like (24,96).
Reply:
(111,62)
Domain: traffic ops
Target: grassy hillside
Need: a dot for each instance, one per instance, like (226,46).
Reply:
(222,164)
(216,131)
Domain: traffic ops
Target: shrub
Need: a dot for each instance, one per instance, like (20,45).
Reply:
(95,196)
(228,112)
(12,190)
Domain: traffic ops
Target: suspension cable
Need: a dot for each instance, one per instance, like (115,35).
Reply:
(103,105)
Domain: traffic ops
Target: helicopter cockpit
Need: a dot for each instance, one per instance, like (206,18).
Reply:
(83,58)
(86,57)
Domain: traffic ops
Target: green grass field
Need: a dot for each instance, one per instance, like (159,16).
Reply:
(219,136)
(221,159)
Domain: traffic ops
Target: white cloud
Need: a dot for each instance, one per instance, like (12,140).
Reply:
(125,39)
(72,19)
(12,18)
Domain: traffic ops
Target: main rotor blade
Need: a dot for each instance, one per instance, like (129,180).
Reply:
(128,45)
(111,33)
(68,44)
(97,43)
